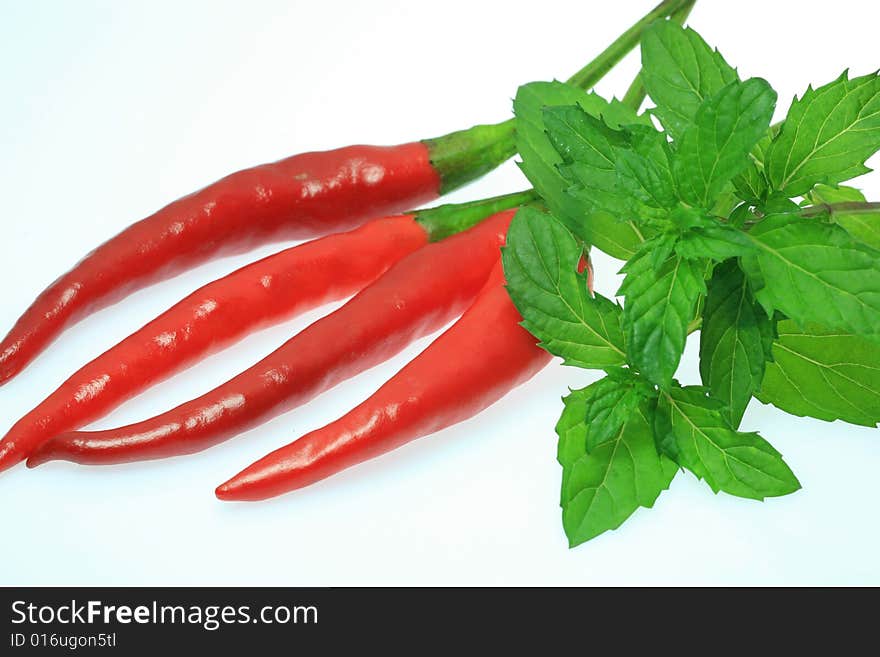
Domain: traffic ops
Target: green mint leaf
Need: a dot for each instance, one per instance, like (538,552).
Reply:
(713,240)
(679,71)
(596,414)
(604,487)
(659,306)
(716,146)
(572,428)
(827,136)
(660,247)
(741,215)
(610,403)
(540,262)
(588,149)
(738,463)
(540,161)
(830,194)
(623,172)
(684,218)
(864,226)
(823,373)
(733,336)
(752,184)
(776,204)
(644,173)
(813,271)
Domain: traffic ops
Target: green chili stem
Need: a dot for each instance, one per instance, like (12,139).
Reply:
(445,220)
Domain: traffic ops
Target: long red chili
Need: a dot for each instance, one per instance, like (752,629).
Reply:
(472,365)
(257,295)
(299,197)
(416,296)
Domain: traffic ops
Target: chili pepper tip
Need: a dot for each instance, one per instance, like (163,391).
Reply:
(227,491)
(241,488)
(43,454)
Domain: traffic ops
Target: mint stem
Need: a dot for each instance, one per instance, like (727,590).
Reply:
(590,74)
(848,207)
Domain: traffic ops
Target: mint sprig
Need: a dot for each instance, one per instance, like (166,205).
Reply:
(728,225)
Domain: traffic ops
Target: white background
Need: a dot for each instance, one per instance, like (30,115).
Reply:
(110,110)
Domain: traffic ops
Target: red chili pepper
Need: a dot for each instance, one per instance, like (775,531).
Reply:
(472,365)
(585,264)
(416,296)
(257,295)
(296,198)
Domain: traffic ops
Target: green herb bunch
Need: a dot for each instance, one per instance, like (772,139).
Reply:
(729,225)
